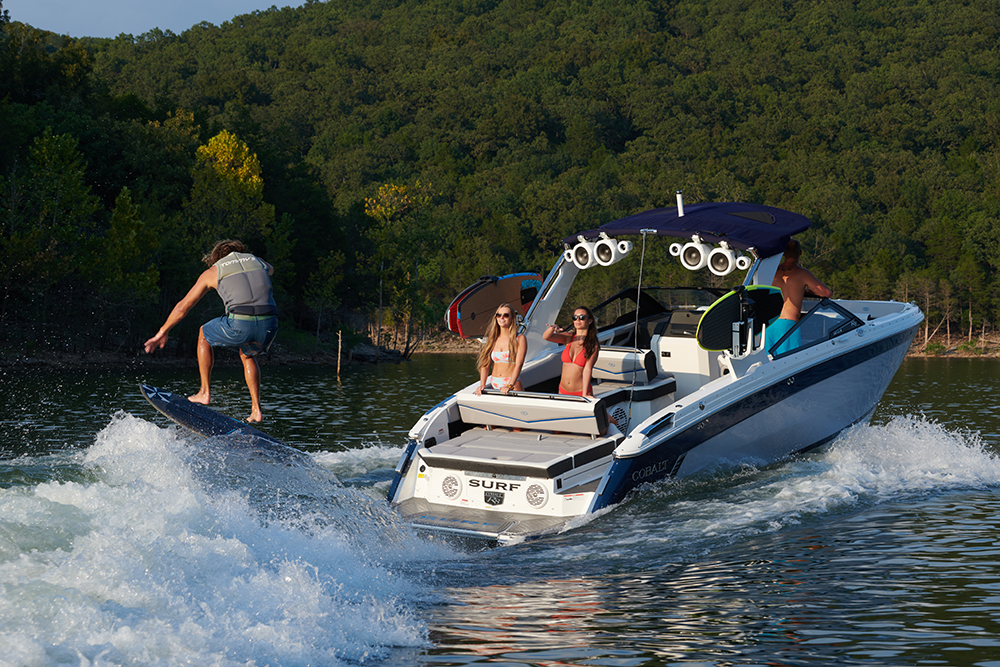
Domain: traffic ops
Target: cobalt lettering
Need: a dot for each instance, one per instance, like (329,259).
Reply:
(643,473)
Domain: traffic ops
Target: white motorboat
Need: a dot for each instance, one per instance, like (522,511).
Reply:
(686,380)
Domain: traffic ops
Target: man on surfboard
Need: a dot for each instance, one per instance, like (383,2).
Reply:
(793,281)
(250,323)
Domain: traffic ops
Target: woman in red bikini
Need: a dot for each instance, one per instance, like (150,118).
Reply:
(505,349)
(580,353)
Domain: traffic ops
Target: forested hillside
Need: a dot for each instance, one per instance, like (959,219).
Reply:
(422,144)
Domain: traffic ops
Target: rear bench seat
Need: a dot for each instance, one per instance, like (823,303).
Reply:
(535,411)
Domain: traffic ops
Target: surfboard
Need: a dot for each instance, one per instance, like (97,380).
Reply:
(196,417)
(470,312)
(715,330)
(240,436)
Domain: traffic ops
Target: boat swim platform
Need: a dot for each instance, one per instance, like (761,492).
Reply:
(423,515)
(520,453)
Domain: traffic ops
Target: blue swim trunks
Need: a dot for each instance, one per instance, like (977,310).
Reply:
(776,329)
(252,336)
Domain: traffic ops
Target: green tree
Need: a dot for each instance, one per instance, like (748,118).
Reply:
(227,196)
(121,262)
(48,210)
(323,291)
(401,213)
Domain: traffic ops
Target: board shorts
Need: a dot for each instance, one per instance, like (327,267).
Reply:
(252,336)
(778,328)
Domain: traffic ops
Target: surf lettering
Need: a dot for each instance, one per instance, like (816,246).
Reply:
(492,484)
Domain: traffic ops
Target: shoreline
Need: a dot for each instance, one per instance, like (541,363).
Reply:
(987,349)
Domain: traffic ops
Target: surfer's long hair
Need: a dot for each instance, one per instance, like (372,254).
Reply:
(590,342)
(223,248)
(493,335)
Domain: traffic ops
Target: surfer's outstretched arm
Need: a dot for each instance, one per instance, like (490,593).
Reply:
(205,282)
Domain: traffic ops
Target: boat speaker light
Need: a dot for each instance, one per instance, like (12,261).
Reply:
(583,255)
(743,262)
(675,249)
(694,255)
(722,261)
(568,255)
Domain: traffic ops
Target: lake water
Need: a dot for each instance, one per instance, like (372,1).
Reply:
(126,541)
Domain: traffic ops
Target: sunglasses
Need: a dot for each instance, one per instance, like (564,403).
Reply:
(499,315)
(580,318)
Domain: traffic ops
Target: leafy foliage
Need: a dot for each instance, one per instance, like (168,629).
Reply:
(878,120)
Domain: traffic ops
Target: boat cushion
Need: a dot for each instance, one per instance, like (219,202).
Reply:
(622,364)
(535,411)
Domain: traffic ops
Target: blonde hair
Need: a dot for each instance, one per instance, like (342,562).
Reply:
(493,335)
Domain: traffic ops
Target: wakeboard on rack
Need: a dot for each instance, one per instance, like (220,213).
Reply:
(472,310)
(715,329)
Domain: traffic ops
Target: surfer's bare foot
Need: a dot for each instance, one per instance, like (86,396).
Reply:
(202,397)
(255,417)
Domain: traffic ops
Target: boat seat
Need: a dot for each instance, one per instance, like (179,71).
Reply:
(527,454)
(623,364)
(618,392)
(534,411)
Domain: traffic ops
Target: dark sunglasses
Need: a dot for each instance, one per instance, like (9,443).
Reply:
(580,317)
(499,315)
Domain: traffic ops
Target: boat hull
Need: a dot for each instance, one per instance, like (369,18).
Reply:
(798,411)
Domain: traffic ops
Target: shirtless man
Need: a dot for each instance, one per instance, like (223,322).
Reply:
(250,323)
(793,281)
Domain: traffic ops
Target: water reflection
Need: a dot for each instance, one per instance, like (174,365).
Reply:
(306,407)
(896,584)
(953,391)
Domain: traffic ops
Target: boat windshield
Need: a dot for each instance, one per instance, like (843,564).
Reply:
(824,321)
(653,302)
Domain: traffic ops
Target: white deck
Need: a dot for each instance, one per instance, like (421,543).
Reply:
(523,453)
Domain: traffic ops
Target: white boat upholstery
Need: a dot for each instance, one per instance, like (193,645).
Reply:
(525,453)
(681,355)
(625,364)
(535,411)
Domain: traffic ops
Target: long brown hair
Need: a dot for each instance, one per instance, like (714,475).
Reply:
(590,343)
(493,334)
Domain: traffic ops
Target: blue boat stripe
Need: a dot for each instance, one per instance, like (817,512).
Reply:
(658,462)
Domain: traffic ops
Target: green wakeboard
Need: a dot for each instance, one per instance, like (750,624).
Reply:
(715,330)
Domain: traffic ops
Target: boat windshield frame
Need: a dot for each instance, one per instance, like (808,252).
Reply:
(824,321)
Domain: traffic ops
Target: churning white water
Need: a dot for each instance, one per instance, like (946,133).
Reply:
(147,558)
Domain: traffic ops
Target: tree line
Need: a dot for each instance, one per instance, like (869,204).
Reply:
(383,154)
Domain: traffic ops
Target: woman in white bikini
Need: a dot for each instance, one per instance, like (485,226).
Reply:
(505,349)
